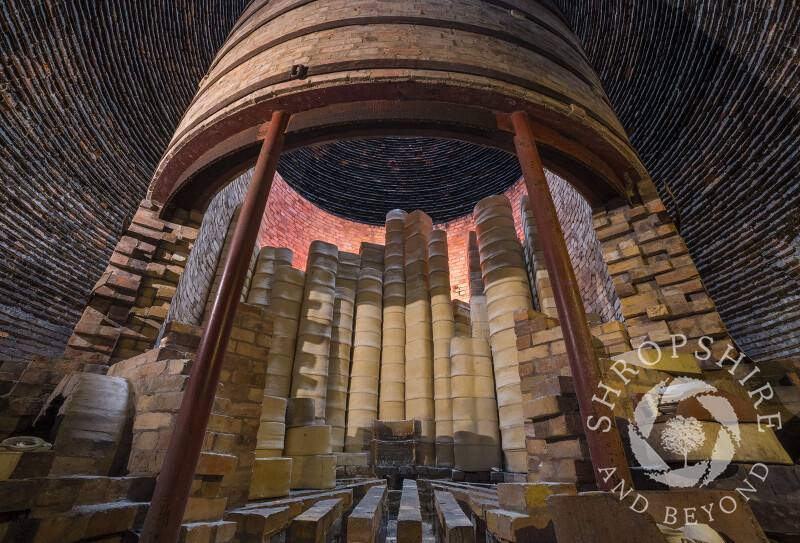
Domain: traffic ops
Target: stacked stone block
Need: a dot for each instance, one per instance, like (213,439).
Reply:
(543,299)
(362,406)
(128,304)
(309,446)
(285,302)
(444,329)
(393,356)
(507,290)
(555,440)
(557,450)
(475,421)
(419,336)
(269,259)
(159,378)
(310,370)
(658,284)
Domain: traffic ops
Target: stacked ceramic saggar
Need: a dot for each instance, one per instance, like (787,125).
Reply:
(339,365)
(419,337)
(443,327)
(543,299)
(309,446)
(310,372)
(462,318)
(507,290)
(478,314)
(269,259)
(392,402)
(362,406)
(341,346)
(475,424)
(271,473)
(286,299)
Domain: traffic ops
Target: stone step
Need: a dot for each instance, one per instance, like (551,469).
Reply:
(452,524)
(317,524)
(64,493)
(409,517)
(299,503)
(79,523)
(260,524)
(521,528)
(367,521)
(207,532)
(602,518)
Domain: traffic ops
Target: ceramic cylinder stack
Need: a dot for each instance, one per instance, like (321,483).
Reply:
(419,337)
(392,404)
(443,328)
(269,259)
(341,347)
(286,300)
(507,290)
(475,424)
(310,371)
(362,407)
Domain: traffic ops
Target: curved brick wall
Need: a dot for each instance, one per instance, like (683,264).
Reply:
(585,250)
(90,93)
(294,222)
(708,93)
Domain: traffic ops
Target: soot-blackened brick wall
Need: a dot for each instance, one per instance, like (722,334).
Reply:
(707,92)
(90,94)
(194,285)
(585,250)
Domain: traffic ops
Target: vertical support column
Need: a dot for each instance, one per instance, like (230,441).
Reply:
(164,517)
(605,448)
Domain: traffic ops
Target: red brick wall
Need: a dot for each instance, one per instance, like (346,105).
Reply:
(294,222)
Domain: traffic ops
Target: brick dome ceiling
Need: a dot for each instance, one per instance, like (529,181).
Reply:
(362,179)
(91,92)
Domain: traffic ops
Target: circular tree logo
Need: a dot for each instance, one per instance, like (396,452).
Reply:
(682,437)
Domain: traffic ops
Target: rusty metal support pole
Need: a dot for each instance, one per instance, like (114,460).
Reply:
(165,515)
(605,448)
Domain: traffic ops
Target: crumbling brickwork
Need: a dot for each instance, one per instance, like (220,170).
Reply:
(655,278)
(129,303)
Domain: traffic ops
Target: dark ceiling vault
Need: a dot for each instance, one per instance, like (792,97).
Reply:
(362,180)
(90,94)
